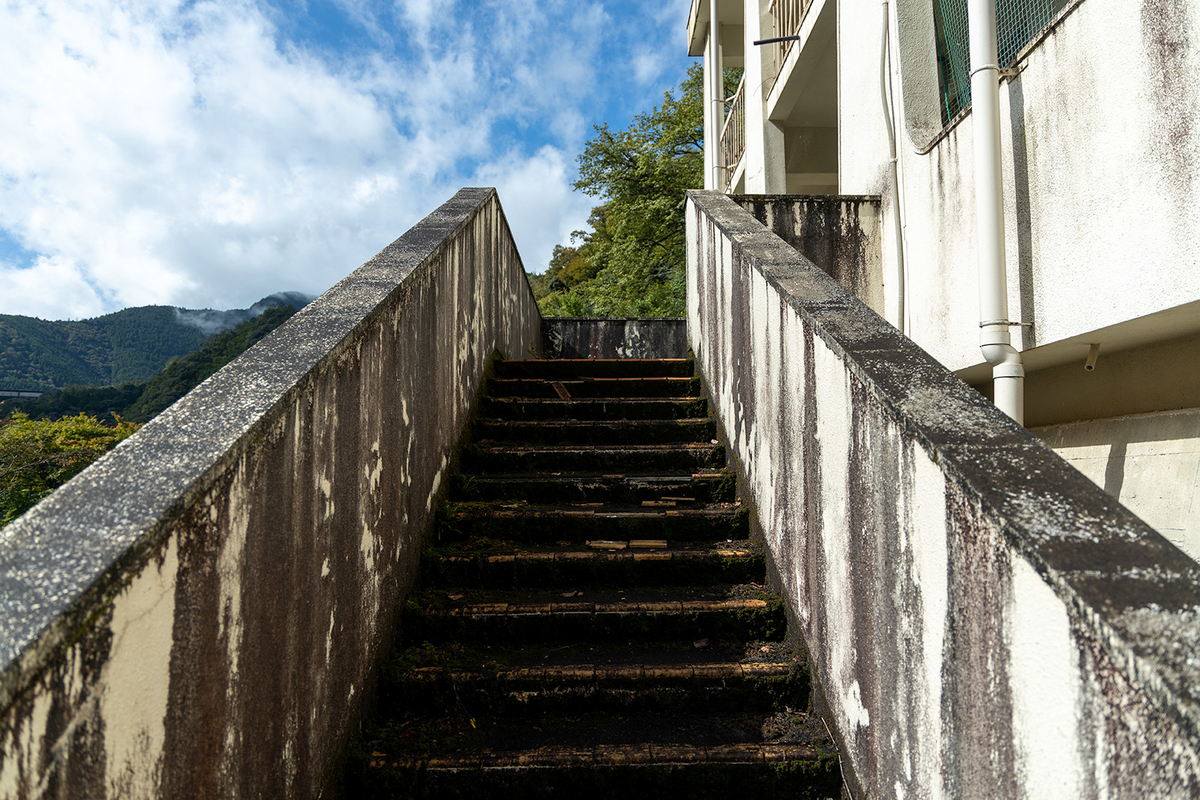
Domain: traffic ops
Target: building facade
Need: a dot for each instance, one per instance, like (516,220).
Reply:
(1099,131)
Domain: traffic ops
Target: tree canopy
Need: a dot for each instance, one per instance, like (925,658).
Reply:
(631,260)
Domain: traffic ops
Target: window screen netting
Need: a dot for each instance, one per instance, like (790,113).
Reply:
(1017,22)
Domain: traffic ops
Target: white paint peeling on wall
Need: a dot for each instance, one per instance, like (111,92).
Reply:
(926,518)
(229,567)
(1045,680)
(136,679)
(833,431)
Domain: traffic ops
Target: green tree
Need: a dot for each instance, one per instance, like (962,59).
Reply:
(631,260)
(37,456)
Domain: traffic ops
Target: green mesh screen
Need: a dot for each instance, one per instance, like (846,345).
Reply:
(1017,22)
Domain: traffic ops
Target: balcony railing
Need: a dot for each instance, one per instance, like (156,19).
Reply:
(787,16)
(733,133)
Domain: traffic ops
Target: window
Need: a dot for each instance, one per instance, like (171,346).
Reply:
(1017,23)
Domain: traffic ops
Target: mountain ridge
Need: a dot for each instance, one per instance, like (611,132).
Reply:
(132,344)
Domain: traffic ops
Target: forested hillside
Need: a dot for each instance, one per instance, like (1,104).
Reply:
(129,345)
(138,401)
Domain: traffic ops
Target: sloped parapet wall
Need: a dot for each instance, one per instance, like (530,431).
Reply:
(984,621)
(198,613)
(595,337)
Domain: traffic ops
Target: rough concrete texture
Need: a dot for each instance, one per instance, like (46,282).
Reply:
(198,613)
(839,235)
(591,337)
(984,620)
(1150,462)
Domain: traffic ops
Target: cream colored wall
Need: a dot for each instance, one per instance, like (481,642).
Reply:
(1150,462)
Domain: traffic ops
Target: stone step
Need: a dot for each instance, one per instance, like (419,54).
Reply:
(575,368)
(524,408)
(585,432)
(683,755)
(595,387)
(674,677)
(607,459)
(682,490)
(499,565)
(697,613)
(581,523)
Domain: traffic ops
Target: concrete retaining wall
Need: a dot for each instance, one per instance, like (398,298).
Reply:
(592,337)
(983,619)
(839,235)
(198,613)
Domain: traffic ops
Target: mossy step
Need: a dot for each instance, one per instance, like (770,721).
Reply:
(799,775)
(633,615)
(566,368)
(583,432)
(600,755)
(480,458)
(501,565)
(684,490)
(594,387)
(593,408)
(581,523)
(571,689)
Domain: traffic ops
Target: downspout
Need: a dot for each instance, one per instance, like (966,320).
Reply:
(716,87)
(885,95)
(1008,372)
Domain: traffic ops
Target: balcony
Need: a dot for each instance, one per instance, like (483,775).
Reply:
(733,132)
(787,17)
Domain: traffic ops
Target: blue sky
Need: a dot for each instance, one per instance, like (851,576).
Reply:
(206,154)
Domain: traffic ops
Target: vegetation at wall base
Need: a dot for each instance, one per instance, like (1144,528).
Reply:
(38,456)
(49,439)
(631,260)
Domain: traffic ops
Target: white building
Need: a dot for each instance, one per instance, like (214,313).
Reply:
(1100,174)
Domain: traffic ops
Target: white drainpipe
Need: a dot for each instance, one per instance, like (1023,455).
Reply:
(716,86)
(1008,372)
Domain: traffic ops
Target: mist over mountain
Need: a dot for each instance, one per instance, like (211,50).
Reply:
(128,345)
(209,321)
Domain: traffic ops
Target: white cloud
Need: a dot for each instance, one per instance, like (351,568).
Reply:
(541,208)
(162,151)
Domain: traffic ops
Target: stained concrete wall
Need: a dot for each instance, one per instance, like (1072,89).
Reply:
(198,613)
(592,337)
(984,621)
(840,235)
(1150,462)
(1101,170)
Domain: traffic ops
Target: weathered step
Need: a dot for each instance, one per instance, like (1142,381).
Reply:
(572,680)
(607,771)
(595,387)
(706,486)
(634,615)
(593,408)
(502,566)
(568,368)
(602,755)
(607,459)
(549,524)
(582,432)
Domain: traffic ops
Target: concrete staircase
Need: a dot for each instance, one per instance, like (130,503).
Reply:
(593,619)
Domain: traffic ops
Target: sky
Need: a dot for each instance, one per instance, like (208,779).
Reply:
(206,154)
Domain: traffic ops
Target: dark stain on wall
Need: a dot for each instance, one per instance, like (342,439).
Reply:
(829,232)
(592,337)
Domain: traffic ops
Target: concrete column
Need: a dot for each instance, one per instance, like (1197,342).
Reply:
(766,168)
